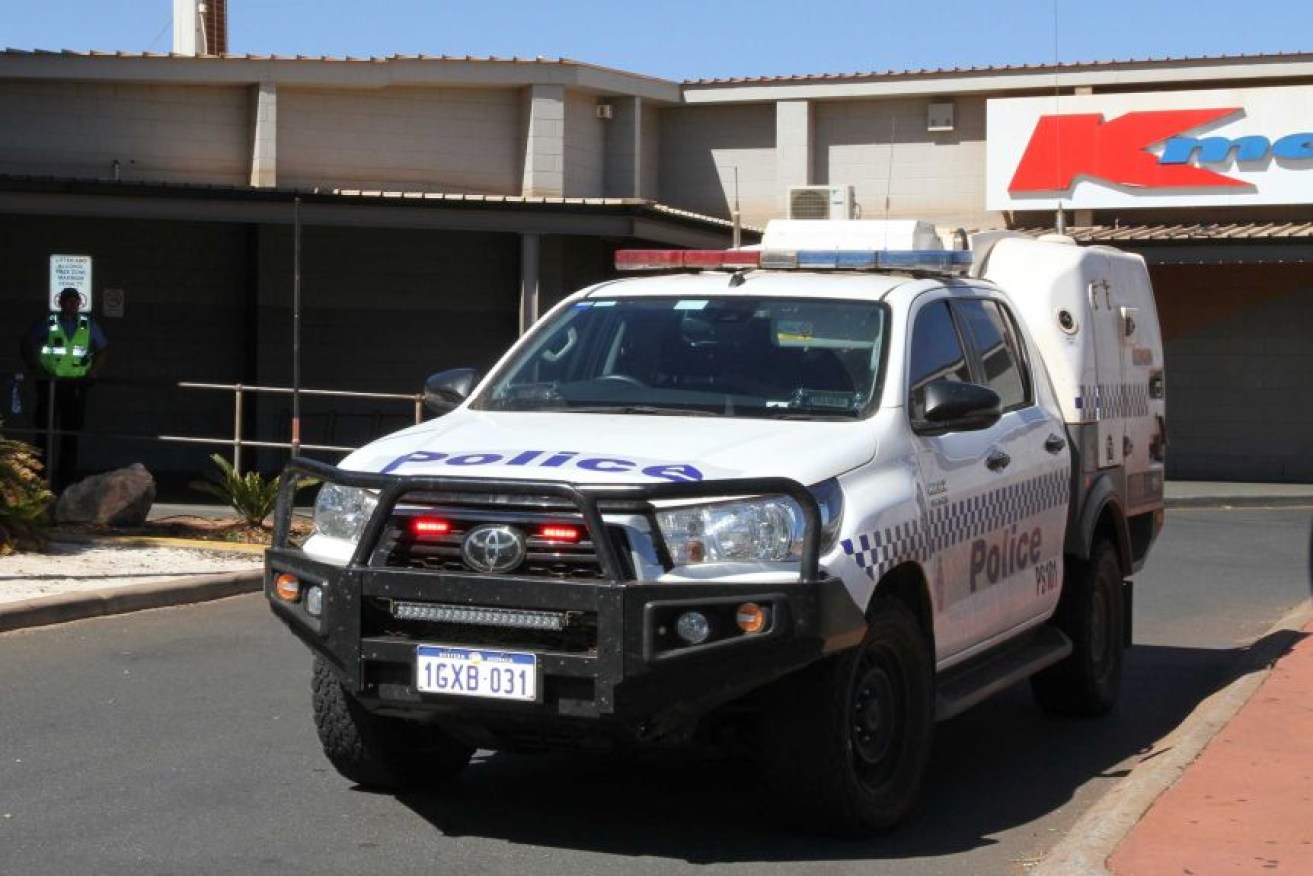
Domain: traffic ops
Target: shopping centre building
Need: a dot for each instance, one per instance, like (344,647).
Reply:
(443,203)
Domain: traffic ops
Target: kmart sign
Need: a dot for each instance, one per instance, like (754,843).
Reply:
(1176,149)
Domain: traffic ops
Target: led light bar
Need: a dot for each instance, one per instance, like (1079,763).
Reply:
(692,259)
(562,532)
(938,261)
(479,616)
(429,527)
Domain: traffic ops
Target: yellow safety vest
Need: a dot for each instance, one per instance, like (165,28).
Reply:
(67,357)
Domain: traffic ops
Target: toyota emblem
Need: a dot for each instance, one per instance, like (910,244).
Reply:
(493,547)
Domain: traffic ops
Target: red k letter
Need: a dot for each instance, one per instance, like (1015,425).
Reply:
(1065,147)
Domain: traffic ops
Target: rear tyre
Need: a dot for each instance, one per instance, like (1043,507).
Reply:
(846,740)
(1090,612)
(379,751)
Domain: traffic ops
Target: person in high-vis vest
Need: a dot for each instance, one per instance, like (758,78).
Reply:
(66,350)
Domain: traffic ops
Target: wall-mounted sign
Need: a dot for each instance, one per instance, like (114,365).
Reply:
(70,272)
(112,303)
(1230,147)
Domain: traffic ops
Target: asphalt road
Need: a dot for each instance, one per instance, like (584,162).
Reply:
(180,741)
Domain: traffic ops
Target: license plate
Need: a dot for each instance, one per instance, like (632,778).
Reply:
(471,672)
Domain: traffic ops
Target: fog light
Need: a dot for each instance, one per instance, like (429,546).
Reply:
(752,618)
(288,587)
(693,627)
(314,601)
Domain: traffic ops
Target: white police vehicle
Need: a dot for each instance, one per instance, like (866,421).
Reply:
(828,492)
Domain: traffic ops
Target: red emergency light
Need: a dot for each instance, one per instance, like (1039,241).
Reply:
(692,259)
(429,527)
(561,532)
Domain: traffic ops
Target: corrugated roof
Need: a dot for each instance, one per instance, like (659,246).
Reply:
(104,186)
(735,80)
(95,53)
(1213,232)
(998,68)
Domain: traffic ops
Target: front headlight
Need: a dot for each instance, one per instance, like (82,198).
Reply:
(342,512)
(750,531)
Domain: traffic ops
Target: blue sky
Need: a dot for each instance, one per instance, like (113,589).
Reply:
(695,39)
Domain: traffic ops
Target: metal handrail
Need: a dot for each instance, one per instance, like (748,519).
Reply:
(236,442)
(238,389)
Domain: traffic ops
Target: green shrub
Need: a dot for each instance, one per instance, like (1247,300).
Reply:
(252,496)
(24,498)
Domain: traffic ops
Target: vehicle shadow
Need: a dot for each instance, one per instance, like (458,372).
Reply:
(995,768)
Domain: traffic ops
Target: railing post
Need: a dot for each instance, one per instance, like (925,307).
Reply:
(52,464)
(419,408)
(237,430)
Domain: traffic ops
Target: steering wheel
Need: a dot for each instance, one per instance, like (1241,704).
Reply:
(624,378)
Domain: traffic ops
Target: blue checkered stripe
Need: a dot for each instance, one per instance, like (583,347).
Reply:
(1109,401)
(879,551)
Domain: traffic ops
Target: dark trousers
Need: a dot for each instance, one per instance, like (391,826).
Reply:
(70,409)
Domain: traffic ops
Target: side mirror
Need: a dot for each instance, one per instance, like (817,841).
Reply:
(960,407)
(446,390)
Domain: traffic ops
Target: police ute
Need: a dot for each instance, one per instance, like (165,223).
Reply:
(808,497)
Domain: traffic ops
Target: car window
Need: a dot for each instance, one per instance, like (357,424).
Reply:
(937,354)
(995,341)
(722,355)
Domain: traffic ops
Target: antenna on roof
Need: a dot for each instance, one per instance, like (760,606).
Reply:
(1060,221)
(735,216)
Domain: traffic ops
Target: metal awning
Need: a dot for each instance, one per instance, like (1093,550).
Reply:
(1202,243)
(633,218)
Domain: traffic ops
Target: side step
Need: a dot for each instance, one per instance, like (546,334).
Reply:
(962,687)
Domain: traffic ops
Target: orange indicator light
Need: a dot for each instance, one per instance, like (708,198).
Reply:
(288,587)
(752,618)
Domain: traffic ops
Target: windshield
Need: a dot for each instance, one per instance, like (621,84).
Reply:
(735,357)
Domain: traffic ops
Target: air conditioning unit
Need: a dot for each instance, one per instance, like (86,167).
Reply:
(822,202)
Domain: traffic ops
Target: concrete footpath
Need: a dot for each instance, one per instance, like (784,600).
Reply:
(1228,791)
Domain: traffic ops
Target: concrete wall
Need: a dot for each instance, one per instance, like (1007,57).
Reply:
(883,147)
(650,187)
(1239,399)
(444,139)
(585,147)
(702,146)
(189,134)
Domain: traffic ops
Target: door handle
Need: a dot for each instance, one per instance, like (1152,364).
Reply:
(1055,444)
(998,460)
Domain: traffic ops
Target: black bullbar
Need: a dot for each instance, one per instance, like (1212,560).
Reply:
(604,647)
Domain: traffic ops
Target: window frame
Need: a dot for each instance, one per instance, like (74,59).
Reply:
(1012,338)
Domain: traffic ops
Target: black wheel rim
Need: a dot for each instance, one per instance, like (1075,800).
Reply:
(879,715)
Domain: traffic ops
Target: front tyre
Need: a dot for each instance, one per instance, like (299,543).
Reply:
(846,741)
(1090,612)
(379,751)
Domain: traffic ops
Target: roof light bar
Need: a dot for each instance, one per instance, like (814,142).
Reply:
(693,259)
(932,261)
(938,261)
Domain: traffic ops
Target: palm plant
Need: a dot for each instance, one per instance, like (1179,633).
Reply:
(24,498)
(251,495)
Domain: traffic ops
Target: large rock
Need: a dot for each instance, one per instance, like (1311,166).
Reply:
(116,498)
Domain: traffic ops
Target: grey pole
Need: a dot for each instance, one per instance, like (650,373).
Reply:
(296,326)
